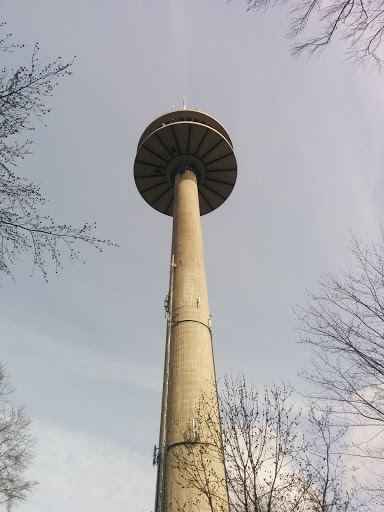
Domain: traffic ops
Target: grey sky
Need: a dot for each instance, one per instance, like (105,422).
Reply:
(85,351)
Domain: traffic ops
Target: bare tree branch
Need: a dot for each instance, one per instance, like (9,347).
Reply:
(16,449)
(360,23)
(344,324)
(24,94)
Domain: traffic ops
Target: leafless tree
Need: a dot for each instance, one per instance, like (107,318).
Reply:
(16,449)
(333,487)
(343,322)
(262,444)
(360,24)
(24,95)
(260,440)
(276,460)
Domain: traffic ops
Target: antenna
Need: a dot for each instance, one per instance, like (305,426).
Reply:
(155,456)
(184,104)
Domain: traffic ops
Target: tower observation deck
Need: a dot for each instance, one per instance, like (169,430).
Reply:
(185,167)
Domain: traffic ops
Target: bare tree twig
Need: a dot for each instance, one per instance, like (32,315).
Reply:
(24,95)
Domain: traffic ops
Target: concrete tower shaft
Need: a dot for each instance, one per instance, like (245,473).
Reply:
(191,373)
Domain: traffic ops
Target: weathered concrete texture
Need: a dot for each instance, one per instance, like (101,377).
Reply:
(191,367)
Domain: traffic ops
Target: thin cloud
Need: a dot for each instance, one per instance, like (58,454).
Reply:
(77,471)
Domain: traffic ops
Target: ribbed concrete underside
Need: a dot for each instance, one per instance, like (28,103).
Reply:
(191,142)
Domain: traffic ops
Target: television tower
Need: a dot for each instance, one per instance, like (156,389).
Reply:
(185,167)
